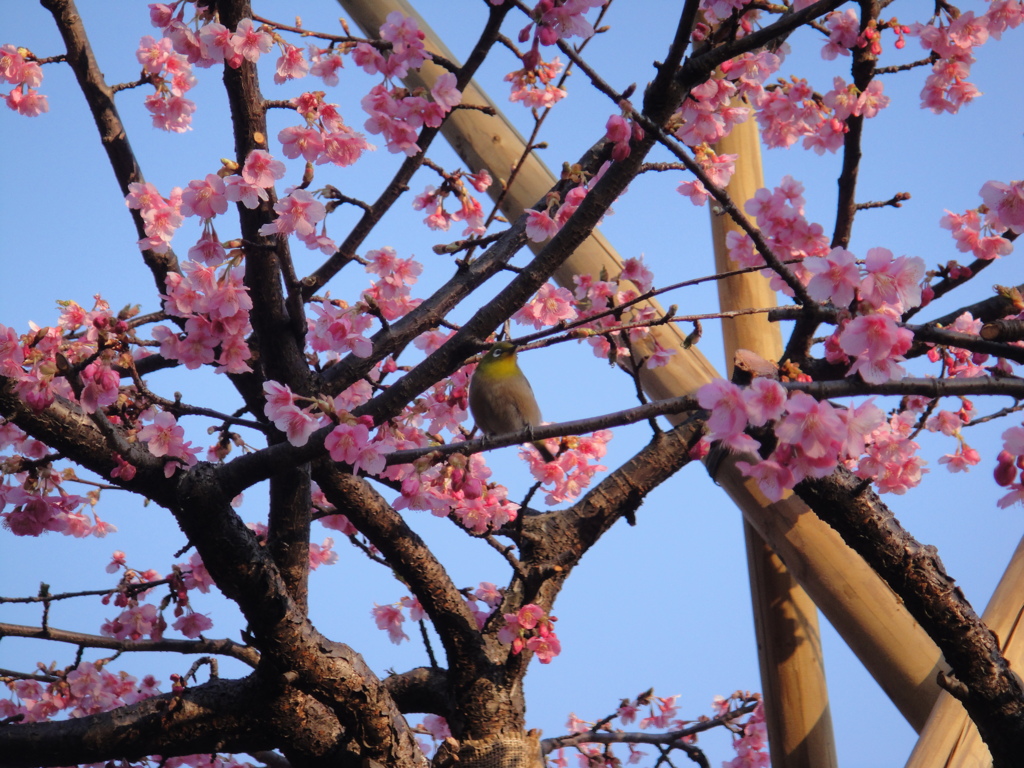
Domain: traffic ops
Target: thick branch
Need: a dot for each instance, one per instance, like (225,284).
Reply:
(422,689)
(65,428)
(994,695)
(412,560)
(222,715)
(986,310)
(552,544)
(331,672)
(699,67)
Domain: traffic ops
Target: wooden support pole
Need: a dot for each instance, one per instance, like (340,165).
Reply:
(872,620)
(785,618)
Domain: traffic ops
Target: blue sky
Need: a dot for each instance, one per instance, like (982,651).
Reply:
(664,604)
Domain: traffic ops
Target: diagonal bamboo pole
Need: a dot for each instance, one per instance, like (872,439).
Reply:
(785,618)
(865,612)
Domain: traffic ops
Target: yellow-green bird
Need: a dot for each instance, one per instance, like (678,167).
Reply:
(500,397)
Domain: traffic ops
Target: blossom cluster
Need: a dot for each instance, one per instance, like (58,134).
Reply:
(390,292)
(37,499)
(592,307)
(325,138)
(947,88)
(171,74)
(550,21)
(533,85)
(75,360)
(349,440)
(1010,465)
(88,688)
(140,620)
(391,617)
(26,75)
(813,437)
(531,628)
(457,488)
(208,198)
(85,689)
(393,111)
(750,737)
(574,465)
(215,309)
(470,210)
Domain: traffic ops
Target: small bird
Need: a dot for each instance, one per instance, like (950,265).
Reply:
(500,397)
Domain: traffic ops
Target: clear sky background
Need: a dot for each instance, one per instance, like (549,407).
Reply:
(664,604)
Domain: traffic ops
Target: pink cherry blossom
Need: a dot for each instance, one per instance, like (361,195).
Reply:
(369,58)
(550,306)
(391,292)
(325,65)
(437,726)
(12,65)
(545,647)
(301,140)
(342,146)
(192,624)
(540,226)
(835,277)
(728,410)
(250,42)
(163,437)
(1005,204)
(811,424)
(101,387)
(772,478)
(322,554)
(878,343)
(346,442)
(261,169)
(695,191)
(195,575)
(238,190)
(765,400)
(637,272)
(290,65)
(297,212)
(444,91)
(844,31)
(215,43)
(204,198)
(407,50)
(892,282)
(962,460)
(173,113)
(208,249)
(390,619)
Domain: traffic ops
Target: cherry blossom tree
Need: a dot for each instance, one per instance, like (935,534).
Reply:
(348,384)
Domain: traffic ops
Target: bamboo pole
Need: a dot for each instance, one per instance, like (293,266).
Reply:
(950,739)
(893,647)
(785,618)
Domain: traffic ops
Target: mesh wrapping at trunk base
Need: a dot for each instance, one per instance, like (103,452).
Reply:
(514,750)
